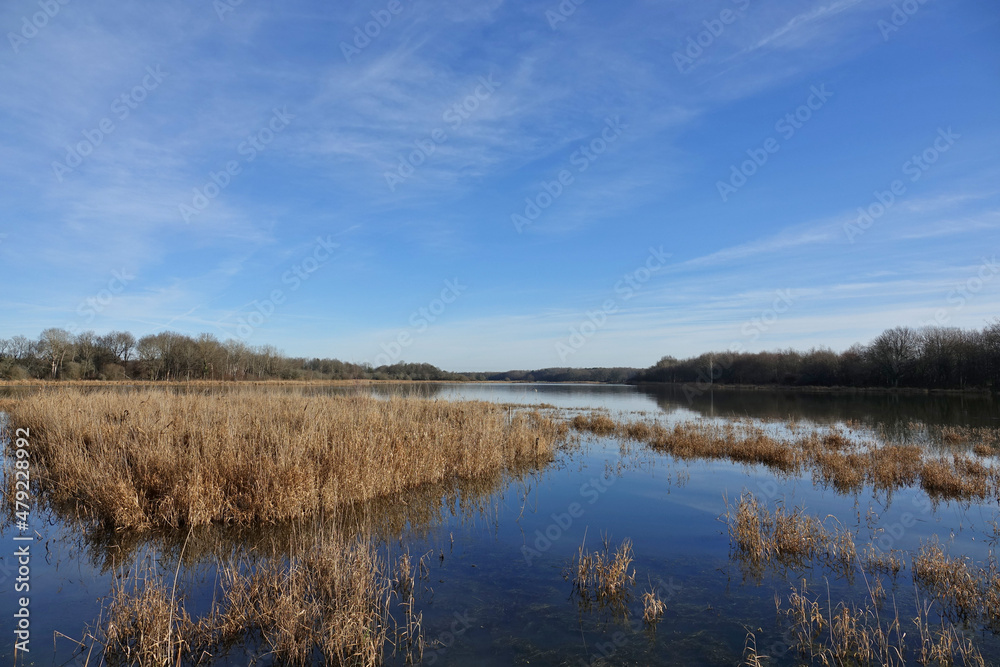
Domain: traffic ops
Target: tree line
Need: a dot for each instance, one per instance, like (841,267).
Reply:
(927,358)
(119,355)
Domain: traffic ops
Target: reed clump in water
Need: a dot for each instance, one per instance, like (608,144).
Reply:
(787,538)
(962,477)
(652,608)
(604,576)
(154,458)
(966,591)
(596,423)
(825,634)
(146,623)
(330,603)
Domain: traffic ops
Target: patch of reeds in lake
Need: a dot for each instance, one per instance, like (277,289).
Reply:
(153,458)
(789,538)
(824,633)
(331,604)
(838,633)
(846,463)
(604,577)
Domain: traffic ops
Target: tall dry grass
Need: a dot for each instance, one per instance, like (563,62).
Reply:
(790,538)
(842,634)
(604,576)
(963,591)
(832,457)
(155,458)
(330,604)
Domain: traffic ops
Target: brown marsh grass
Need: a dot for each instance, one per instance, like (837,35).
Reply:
(828,634)
(832,457)
(962,477)
(788,538)
(156,458)
(604,576)
(329,604)
(965,590)
(652,608)
(845,634)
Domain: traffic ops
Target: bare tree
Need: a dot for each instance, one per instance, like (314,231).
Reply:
(55,344)
(120,344)
(87,351)
(22,348)
(894,351)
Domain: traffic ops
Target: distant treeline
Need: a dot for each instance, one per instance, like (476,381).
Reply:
(928,358)
(609,375)
(119,355)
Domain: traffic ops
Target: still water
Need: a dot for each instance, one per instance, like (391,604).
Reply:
(496,592)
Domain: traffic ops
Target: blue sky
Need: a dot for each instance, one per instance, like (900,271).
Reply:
(322,244)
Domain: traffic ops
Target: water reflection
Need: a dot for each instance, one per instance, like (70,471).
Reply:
(523,608)
(832,407)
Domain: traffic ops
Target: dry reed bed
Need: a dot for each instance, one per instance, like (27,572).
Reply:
(155,458)
(826,634)
(331,605)
(984,441)
(468,502)
(848,634)
(788,538)
(832,457)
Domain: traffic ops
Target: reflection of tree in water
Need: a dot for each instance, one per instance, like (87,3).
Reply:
(868,408)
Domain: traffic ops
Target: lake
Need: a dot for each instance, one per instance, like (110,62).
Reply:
(496,589)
